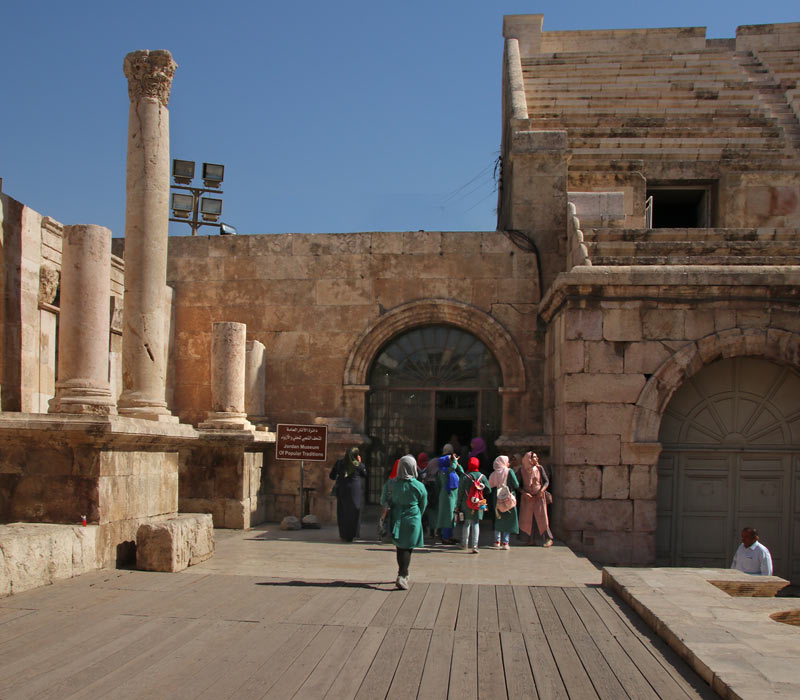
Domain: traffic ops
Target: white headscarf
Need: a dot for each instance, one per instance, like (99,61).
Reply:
(500,472)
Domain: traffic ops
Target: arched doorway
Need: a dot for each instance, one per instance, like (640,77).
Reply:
(424,385)
(731,458)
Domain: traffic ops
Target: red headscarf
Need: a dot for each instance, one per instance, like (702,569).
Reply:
(393,475)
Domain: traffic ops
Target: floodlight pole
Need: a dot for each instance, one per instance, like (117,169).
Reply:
(194,222)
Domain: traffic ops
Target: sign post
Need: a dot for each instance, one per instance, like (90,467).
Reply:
(304,443)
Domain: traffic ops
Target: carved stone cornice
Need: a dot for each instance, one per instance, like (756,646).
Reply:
(149,74)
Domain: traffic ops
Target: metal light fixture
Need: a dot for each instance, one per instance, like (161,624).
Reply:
(192,206)
(182,171)
(227,230)
(210,208)
(182,205)
(213,174)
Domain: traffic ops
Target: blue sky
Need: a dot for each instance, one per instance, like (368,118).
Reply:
(346,116)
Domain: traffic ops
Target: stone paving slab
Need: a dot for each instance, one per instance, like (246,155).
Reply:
(320,555)
(730,641)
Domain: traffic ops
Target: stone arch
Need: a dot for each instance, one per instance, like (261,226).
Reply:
(433,312)
(780,346)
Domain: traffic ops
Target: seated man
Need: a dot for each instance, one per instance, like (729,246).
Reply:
(752,557)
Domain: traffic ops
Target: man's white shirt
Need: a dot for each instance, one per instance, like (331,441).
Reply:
(754,559)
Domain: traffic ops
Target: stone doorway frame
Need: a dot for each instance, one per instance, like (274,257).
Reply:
(427,313)
(642,449)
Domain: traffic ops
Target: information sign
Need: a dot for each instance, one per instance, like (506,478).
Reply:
(302,442)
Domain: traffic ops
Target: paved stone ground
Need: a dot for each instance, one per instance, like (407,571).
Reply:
(301,615)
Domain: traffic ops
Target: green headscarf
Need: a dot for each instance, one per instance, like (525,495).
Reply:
(350,462)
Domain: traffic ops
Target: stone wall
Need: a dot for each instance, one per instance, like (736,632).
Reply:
(30,270)
(619,342)
(312,301)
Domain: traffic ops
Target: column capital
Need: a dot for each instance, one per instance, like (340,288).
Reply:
(149,74)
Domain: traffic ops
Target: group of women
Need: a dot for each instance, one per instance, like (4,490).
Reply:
(445,493)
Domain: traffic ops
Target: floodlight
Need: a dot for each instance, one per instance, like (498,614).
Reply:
(210,208)
(227,230)
(213,174)
(182,171)
(182,205)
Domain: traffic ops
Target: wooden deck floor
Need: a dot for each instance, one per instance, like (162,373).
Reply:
(129,634)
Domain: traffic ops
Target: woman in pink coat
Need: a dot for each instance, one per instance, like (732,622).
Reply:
(533,504)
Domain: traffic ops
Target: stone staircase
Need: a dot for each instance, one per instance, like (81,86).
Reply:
(772,73)
(693,246)
(704,105)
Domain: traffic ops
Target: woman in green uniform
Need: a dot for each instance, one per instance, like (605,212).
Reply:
(407,498)
(506,522)
(448,478)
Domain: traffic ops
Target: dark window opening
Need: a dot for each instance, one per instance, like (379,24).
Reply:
(680,207)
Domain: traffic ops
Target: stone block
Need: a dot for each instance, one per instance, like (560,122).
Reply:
(38,554)
(644,515)
(175,543)
(343,292)
(578,482)
(608,547)
(586,324)
(698,324)
(603,388)
(291,522)
(571,418)
(724,319)
(664,324)
(604,357)
(591,449)
(640,452)
(643,551)
(622,325)
(616,482)
(609,418)
(600,514)
(571,356)
(644,481)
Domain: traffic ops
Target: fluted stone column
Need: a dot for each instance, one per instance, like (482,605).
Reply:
(227,378)
(144,339)
(84,321)
(255,378)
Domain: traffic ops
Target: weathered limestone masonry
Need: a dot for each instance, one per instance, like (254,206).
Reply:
(83,461)
(221,474)
(633,313)
(323,305)
(620,341)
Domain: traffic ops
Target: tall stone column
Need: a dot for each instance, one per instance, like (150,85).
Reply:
(83,385)
(227,378)
(144,339)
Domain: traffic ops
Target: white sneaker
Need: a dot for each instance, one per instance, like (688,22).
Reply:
(475,550)
(402,583)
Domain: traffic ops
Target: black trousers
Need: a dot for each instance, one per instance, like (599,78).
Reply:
(403,560)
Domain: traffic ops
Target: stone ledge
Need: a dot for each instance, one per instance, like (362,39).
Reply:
(731,642)
(176,543)
(38,554)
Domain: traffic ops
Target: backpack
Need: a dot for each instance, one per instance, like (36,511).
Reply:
(506,500)
(475,499)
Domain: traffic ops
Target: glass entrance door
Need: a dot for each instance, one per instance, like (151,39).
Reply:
(425,386)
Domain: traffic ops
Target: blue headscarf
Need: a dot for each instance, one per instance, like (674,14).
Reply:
(452,476)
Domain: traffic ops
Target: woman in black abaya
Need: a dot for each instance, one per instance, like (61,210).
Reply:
(348,473)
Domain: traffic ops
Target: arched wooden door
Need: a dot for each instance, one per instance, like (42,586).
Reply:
(731,458)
